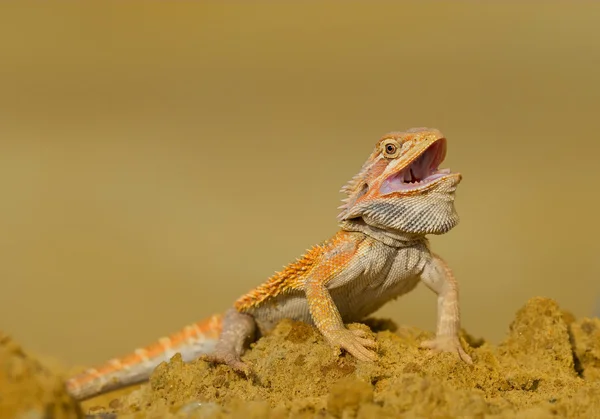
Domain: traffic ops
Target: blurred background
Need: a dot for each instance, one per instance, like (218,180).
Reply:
(160,159)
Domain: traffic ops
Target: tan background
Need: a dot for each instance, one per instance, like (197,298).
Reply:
(160,159)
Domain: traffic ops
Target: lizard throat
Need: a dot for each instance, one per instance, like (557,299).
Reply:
(421,172)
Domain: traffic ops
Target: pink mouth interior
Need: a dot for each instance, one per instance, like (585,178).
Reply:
(420,172)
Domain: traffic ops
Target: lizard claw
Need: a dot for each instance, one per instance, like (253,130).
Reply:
(447,344)
(354,342)
(230,360)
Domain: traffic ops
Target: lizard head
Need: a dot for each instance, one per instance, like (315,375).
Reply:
(401,187)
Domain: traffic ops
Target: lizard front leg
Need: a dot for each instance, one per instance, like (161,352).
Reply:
(329,322)
(438,276)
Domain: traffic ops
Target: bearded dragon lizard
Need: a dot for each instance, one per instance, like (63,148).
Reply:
(380,252)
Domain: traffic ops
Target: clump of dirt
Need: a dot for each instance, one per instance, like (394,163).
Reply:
(586,343)
(28,389)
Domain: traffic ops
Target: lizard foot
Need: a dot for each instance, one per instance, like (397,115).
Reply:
(238,331)
(355,342)
(229,359)
(447,344)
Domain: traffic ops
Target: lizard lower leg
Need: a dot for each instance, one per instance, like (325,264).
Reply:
(329,322)
(238,332)
(440,279)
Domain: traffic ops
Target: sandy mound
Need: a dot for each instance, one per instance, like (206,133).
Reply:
(548,366)
(28,389)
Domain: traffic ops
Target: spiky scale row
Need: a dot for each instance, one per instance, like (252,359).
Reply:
(293,275)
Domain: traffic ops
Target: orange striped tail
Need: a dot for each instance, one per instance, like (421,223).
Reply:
(192,341)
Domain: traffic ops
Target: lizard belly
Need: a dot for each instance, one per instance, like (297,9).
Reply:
(292,305)
(392,272)
(357,305)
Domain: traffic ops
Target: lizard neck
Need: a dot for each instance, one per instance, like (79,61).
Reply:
(392,238)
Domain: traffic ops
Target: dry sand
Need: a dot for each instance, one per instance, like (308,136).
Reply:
(548,366)
(29,389)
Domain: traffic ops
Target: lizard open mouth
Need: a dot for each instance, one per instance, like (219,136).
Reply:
(421,172)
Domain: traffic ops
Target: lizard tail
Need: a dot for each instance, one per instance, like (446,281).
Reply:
(192,341)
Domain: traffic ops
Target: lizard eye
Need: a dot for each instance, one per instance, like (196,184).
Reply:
(391,148)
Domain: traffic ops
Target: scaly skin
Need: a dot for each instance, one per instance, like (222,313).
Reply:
(380,253)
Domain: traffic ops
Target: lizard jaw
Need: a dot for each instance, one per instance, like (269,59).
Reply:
(421,173)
